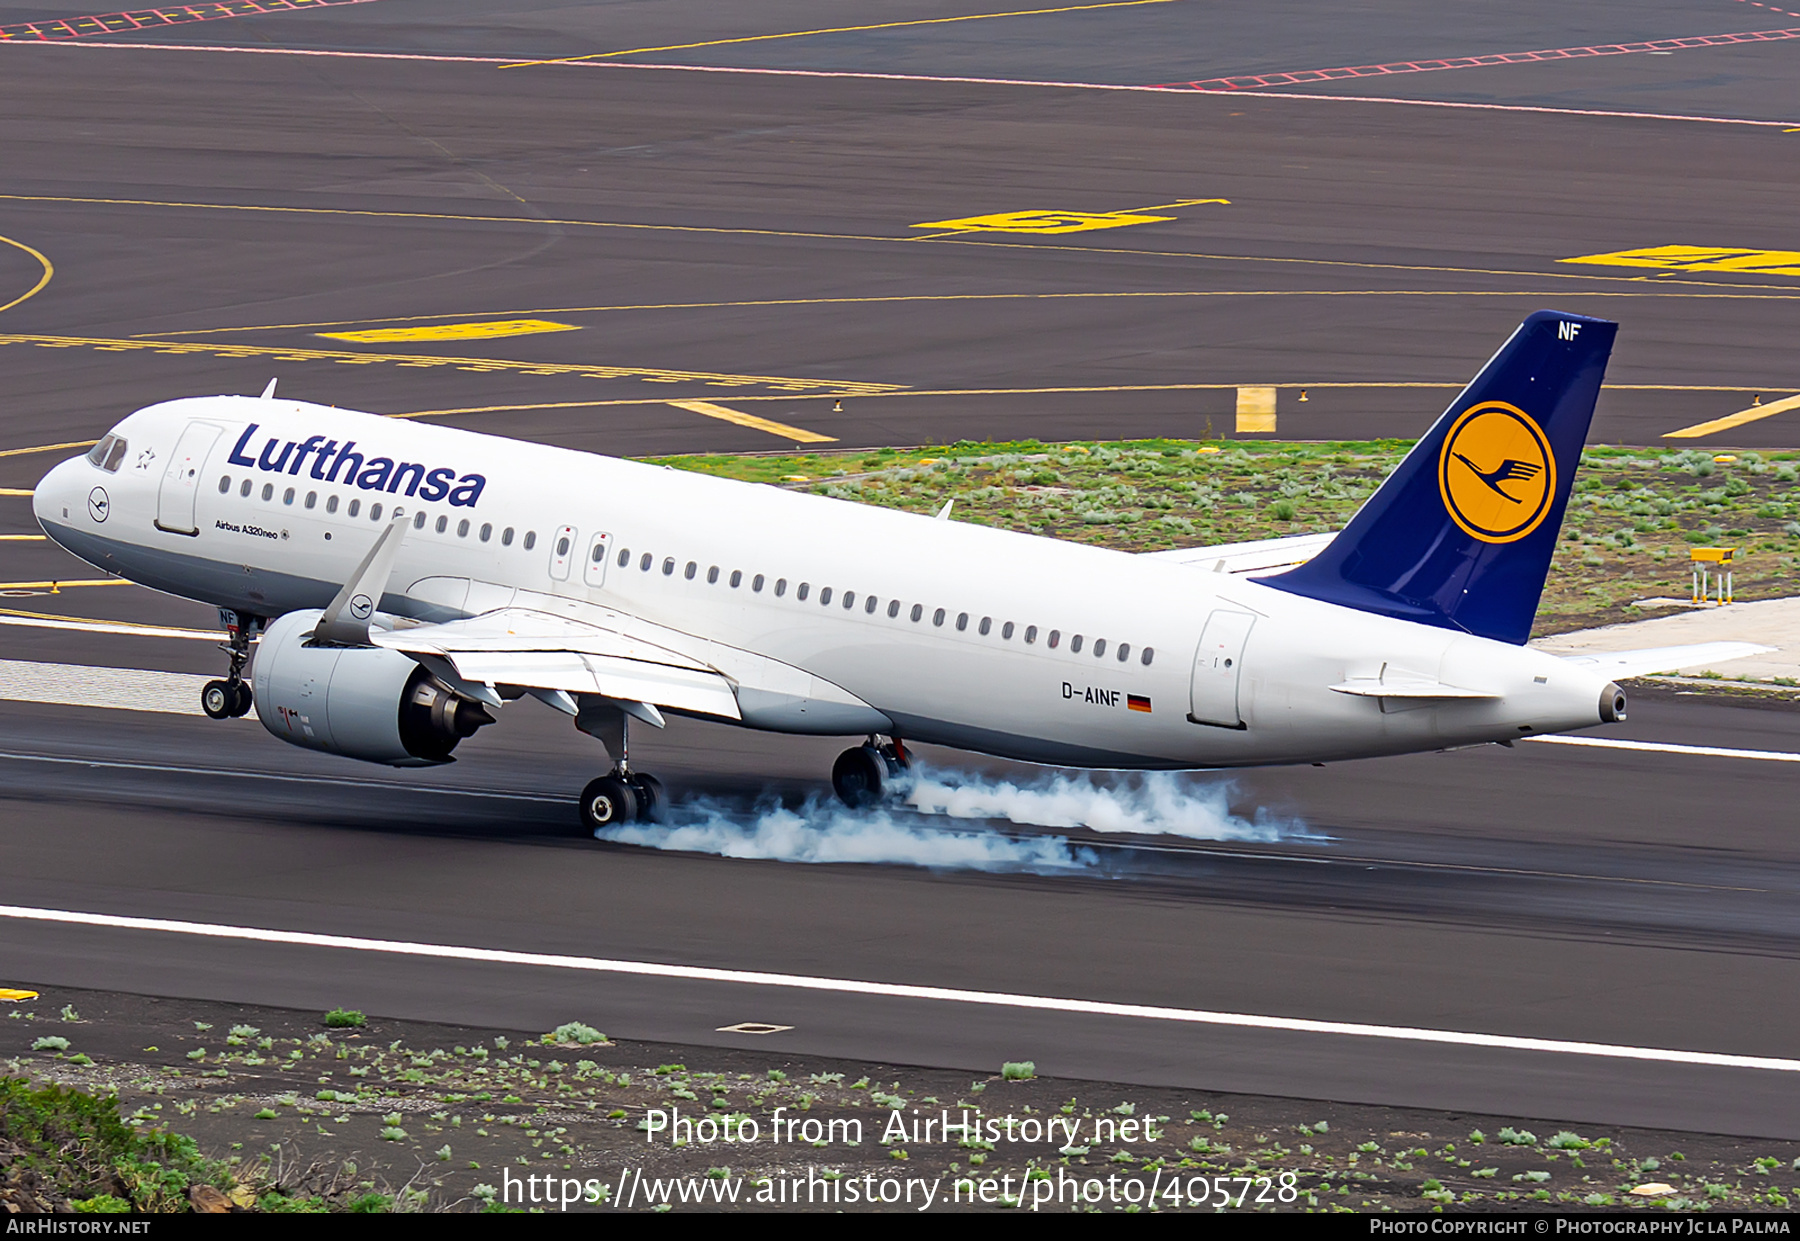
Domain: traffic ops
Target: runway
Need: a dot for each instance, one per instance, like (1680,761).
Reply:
(562,252)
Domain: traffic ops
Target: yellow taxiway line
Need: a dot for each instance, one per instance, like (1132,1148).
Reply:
(1752,414)
(797,434)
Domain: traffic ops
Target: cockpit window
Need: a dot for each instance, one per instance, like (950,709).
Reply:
(108,453)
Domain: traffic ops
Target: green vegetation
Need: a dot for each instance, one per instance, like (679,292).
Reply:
(1632,517)
(345,1019)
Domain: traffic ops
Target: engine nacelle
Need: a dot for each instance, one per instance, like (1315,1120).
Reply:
(362,702)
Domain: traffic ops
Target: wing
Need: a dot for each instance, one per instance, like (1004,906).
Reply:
(556,647)
(1254,558)
(1621,664)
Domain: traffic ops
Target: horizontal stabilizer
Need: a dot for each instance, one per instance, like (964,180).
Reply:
(1257,556)
(1371,688)
(1617,665)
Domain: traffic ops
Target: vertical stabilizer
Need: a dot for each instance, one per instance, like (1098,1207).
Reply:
(1461,534)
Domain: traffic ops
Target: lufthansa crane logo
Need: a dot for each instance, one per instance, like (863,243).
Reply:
(361,606)
(1496,473)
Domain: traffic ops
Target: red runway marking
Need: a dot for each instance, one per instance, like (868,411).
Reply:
(60,28)
(1255,81)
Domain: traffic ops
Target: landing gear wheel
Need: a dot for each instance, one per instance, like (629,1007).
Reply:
(607,802)
(859,776)
(241,700)
(217,698)
(651,799)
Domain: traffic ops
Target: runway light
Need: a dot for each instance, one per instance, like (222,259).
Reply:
(837,407)
(1303,395)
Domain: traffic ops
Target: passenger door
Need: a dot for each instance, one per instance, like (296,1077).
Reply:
(176,501)
(1218,669)
(594,568)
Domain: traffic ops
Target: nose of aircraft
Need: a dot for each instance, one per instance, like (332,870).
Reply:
(54,499)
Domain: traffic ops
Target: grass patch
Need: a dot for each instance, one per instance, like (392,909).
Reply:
(1632,516)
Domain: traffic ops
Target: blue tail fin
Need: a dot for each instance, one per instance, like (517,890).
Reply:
(1461,534)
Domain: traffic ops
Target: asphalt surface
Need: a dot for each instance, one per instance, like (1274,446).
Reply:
(749,239)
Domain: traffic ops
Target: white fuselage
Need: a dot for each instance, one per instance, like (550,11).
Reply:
(944,655)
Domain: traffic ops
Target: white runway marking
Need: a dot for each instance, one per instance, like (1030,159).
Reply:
(952,995)
(920,77)
(82,685)
(120,627)
(1669,747)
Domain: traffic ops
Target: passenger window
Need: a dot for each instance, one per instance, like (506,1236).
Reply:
(1055,637)
(737,577)
(1006,631)
(712,576)
(599,552)
(893,608)
(312,498)
(506,537)
(244,487)
(355,505)
(780,587)
(668,566)
(1099,647)
(962,621)
(1124,651)
(825,597)
(374,512)
(987,623)
(530,539)
(869,604)
(849,599)
(287,497)
(224,483)
(805,589)
(331,503)
(1075,644)
(443,524)
(756,583)
(624,556)
(918,610)
(268,492)
(937,617)
(689,572)
(562,546)
(418,519)
(644,564)
(1030,634)
(462,528)
(1148,655)
(487,531)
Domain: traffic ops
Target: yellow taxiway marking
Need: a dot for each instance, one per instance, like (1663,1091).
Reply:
(798,434)
(21,538)
(1009,297)
(1700,258)
(1738,419)
(953,239)
(56,586)
(1044,222)
(1256,409)
(15,993)
(15,491)
(491,330)
(1056,222)
(48,272)
(427,361)
(20,452)
(801,34)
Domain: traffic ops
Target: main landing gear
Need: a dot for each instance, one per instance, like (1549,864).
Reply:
(622,795)
(864,775)
(230,698)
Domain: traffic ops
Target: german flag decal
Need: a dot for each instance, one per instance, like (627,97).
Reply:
(1137,702)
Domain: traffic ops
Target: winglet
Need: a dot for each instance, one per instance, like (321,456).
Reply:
(269,392)
(1460,535)
(346,621)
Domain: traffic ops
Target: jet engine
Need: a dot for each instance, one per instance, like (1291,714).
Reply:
(362,702)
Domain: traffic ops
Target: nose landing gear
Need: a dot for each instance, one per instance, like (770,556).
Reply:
(864,775)
(231,698)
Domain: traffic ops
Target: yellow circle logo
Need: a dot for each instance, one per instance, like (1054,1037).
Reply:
(1496,473)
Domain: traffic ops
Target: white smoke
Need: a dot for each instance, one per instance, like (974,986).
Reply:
(822,830)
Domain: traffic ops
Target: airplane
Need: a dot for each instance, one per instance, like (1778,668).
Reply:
(402,583)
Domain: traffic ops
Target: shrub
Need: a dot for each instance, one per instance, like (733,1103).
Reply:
(345,1019)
